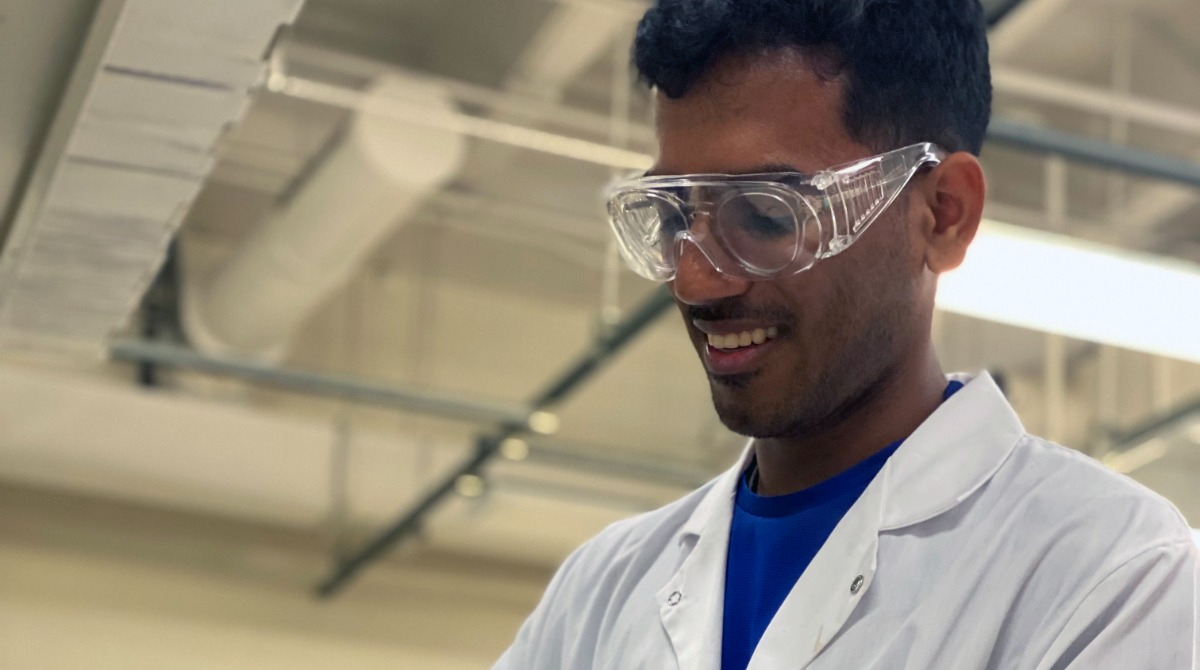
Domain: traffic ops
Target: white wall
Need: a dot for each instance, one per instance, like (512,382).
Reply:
(97,585)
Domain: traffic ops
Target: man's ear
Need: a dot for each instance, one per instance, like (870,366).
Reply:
(955,192)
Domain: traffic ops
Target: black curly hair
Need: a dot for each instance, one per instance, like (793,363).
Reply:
(915,70)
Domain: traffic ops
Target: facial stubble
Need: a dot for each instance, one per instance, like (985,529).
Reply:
(829,384)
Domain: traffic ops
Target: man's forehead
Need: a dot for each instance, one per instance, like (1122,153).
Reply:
(726,84)
(748,114)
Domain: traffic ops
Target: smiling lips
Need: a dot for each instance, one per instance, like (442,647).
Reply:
(745,338)
(735,347)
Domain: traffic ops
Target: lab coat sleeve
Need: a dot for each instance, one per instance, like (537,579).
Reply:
(1143,615)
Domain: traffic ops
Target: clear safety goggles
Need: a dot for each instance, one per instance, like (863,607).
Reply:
(757,226)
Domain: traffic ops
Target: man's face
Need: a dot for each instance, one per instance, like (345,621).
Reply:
(843,325)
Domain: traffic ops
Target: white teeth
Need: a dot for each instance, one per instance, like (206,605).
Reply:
(743,339)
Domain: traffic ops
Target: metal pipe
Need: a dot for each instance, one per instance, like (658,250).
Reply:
(493,102)
(465,124)
(408,523)
(1095,152)
(568,380)
(1156,426)
(1022,135)
(1119,105)
(604,348)
(350,388)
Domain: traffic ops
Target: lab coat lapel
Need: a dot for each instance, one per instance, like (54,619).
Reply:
(691,604)
(947,458)
(826,594)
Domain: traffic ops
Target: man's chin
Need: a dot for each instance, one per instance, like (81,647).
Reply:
(738,382)
(743,423)
(737,406)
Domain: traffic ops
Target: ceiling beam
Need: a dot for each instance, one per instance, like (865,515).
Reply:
(571,39)
(1153,206)
(1021,23)
(1095,100)
(1095,152)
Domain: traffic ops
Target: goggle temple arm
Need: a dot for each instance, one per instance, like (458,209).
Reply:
(854,197)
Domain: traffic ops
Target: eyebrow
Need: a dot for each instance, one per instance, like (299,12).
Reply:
(755,169)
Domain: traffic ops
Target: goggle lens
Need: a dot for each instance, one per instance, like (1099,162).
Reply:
(761,230)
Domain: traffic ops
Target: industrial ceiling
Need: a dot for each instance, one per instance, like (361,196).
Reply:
(378,220)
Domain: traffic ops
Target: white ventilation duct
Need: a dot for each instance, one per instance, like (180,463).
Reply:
(571,39)
(312,245)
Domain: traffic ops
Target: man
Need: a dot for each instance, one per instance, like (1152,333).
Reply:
(817,171)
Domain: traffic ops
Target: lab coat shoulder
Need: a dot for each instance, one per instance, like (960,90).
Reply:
(1114,566)
(1142,614)
(1071,496)
(1047,556)
(620,565)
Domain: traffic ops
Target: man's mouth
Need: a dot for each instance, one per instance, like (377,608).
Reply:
(735,352)
(745,338)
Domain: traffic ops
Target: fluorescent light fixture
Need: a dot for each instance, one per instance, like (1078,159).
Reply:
(1071,287)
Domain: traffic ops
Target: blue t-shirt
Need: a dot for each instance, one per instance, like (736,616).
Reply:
(772,541)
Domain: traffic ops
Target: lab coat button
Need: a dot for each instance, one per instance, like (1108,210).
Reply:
(856,585)
(674,598)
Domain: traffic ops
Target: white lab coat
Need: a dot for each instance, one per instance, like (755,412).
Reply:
(977,546)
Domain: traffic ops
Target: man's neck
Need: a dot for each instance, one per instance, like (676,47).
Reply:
(899,405)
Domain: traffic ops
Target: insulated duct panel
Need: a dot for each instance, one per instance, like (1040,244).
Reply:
(130,149)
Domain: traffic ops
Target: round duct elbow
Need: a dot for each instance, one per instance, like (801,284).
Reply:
(309,247)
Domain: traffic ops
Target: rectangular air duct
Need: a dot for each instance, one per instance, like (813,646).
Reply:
(157,85)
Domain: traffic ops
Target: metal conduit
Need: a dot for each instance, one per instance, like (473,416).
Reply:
(350,388)
(1034,138)
(1181,415)
(1095,152)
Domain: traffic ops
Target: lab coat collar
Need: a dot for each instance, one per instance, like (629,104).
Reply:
(954,452)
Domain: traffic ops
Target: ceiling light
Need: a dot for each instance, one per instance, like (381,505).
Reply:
(514,449)
(470,486)
(544,423)
(1062,285)
(1194,433)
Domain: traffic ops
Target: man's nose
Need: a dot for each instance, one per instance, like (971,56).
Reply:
(698,282)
